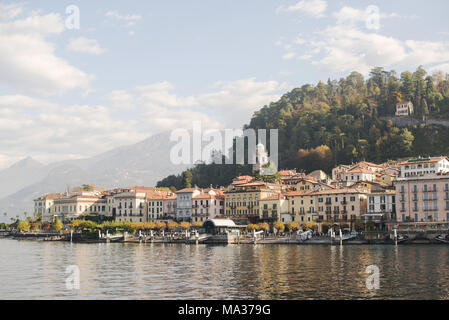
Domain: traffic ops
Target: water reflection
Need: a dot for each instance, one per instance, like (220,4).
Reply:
(36,270)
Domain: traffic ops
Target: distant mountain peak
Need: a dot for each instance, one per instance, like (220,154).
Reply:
(27,162)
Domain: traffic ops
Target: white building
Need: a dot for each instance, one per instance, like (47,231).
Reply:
(44,206)
(424,166)
(381,204)
(184,203)
(72,205)
(356,175)
(404,109)
(131,206)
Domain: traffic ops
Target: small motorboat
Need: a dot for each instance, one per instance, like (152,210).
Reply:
(442,238)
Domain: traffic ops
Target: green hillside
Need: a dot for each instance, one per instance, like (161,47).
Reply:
(340,122)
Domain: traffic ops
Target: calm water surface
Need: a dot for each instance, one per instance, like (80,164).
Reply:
(36,270)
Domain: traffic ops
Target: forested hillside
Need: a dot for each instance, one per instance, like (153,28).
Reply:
(340,122)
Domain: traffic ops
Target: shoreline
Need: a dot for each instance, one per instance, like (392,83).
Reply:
(246,241)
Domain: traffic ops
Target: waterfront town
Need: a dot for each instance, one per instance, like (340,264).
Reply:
(394,193)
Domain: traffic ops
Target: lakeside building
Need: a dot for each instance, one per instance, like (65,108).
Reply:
(184,203)
(72,205)
(404,109)
(423,198)
(399,192)
(207,205)
(131,205)
(242,200)
(195,204)
(45,205)
(302,206)
(271,208)
(343,204)
(169,207)
(155,205)
(381,206)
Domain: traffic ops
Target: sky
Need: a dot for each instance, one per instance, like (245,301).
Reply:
(75,85)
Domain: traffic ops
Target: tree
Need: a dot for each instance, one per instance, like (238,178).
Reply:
(160,225)
(57,225)
(186,179)
(197,224)
(293,226)
(87,187)
(87,224)
(279,226)
(252,227)
(34,226)
(185,225)
(263,226)
(172,225)
(358,225)
(311,225)
(23,225)
(45,226)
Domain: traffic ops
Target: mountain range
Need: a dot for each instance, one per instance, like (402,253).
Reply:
(143,163)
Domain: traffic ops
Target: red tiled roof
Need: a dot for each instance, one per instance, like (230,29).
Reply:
(426,160)
(340,191)
(278,196)
(51,196)
(360,171)
(187,190)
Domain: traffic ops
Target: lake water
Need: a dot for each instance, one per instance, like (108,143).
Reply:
(37,270)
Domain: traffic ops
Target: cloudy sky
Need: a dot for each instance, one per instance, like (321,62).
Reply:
(135,68)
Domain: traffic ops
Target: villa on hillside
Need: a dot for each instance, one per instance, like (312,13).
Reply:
(404,109)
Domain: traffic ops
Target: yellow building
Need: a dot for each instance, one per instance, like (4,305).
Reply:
(302,206)
(387,178)
(242,201)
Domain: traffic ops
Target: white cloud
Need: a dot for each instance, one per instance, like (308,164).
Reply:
(129,19)
(11,10)
(346,46)
(228,105)
(51,131)
(85,45)
(289,56)
(314,8)
(28,60)
(440,67)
